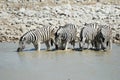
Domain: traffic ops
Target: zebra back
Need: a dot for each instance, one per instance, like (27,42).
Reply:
(26,35)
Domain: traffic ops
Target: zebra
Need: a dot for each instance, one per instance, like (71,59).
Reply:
(104,37)
(96,34)
(87,35)
(66,34)
(37,36)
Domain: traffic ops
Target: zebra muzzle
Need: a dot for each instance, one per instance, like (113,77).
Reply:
(19,49)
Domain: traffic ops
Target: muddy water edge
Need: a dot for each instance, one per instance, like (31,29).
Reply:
(58,65)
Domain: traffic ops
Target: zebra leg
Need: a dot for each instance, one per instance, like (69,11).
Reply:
(53,41)
(109,45)
(66,45)
(103,46)
(56,46)
(73,44)
(93,44)
(35,45)
(97,45)
(38,49)
(82,44)
(61,45)
(88,46)
(47,45)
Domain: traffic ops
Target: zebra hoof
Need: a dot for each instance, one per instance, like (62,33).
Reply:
(81,49)
(97,49)
(104,49)
(38,50)
(66,49)
(56,47)
(48,50)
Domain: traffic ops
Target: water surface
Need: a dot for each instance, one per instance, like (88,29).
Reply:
(58,65)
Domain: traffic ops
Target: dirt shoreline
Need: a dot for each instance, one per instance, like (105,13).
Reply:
(17,18)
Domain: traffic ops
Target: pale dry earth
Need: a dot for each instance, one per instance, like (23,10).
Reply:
(17,17)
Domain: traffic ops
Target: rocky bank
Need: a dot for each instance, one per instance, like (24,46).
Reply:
(16,18)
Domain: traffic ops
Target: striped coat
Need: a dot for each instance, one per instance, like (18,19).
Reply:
(66,34)
(37,36)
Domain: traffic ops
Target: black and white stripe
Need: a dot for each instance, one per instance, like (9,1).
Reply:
(37,36)
(104,37)
(87,34)
(98,35)
(66,34)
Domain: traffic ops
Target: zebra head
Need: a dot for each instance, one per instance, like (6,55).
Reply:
(27,38)
(60,38)
(22,43)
